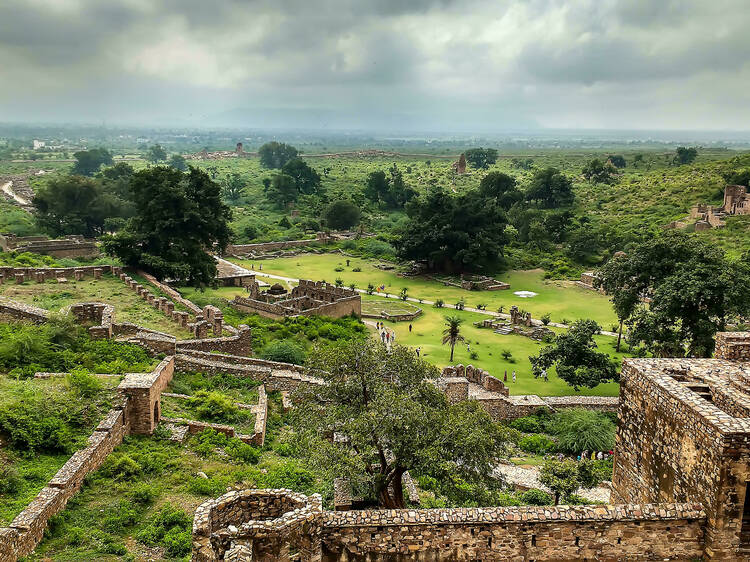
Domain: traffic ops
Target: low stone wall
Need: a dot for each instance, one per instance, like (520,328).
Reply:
(406,317)
(23,534)
(173,294)
(239,344)
(262,247)
(615,532)
(13,310)
(600,403)
(42,274)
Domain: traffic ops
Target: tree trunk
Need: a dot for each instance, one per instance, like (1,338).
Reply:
(398,489)
(453,345)
(619,338)
(557,498)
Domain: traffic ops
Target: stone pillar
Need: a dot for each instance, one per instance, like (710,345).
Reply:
(40,276)
(168,308)
(98,273)
(218,325)
(2,279)
(150,298)
(78,273)
(20,278)
(116,270)
(159,303)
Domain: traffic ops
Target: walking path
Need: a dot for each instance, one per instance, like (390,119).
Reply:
(7,188)
(529,478)
(423,301)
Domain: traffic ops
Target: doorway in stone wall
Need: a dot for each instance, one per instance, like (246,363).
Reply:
(156,413)
(745,530)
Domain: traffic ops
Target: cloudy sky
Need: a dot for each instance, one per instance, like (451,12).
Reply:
(430,65)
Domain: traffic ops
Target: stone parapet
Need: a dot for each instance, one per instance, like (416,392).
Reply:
(733,346)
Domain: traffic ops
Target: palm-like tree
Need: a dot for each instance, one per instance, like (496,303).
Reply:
(452,333)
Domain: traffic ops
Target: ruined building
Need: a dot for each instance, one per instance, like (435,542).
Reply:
(309,298)
(681,490)
(460,165)
(736,202)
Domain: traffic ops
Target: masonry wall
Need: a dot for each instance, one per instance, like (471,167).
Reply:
(669,451)
(634,532)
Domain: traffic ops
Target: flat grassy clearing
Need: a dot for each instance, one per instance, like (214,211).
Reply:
(172,407)
(563,300)
(427,331)
(129,307)
(390,306)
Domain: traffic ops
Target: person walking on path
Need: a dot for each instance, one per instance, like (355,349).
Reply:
(514,376)
(505,376)
(410,328)
(382,336)
(418,350)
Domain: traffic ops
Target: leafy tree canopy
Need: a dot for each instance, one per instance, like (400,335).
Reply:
(502,188)
(180,221)
(452,233)
(305,178)
(234,187)
(88,162)
(599,172)
(575,357)
(685,155)
(282,190)
(76,205)
(392,192)
(342,214)
(156,154)
(276,154)
(392,419)
(693,289)
(178,162)
(566,477)
(481,157)
(617,160)
(550,189)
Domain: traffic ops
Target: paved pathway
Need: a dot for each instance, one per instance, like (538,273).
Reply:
(411,299)
(529,478)
(7,188)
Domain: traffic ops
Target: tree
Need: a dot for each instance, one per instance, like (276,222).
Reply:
(566,477)
(276,154)
(392,419)
(550,189)
(75,205)
(342,214)
(685,155)
(282,190)
(88,162)
(306,179)
(574,355)
(452,332)
(234,187)
(693,287)
(392,192)
(180,221)
(156,154)
(617,160)
(376,186)
(502,188)
(637,159)
(178,162)
(579,430)
(452,233)
(481,157)
(599,172)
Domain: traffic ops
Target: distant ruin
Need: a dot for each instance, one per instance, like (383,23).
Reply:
(459,166)
(67,247)
(736,202)
(309,298)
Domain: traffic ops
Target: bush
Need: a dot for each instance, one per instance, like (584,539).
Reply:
(342,214)
(439,303)
(545,319)
(10,480)
(120,466)
(123,515)
(507,355)
(34,421)
(370,288)
(527,424)
(213,406)
(284,351)
(143,493)
(537,444)
(578,430)
(356,269)
(83,383)
(169,527)
(338,269)
(537,497)
(244,452)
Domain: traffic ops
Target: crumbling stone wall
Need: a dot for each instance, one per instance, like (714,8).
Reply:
(13,310)
(68,247)
(239,344)
(307,299)
(144,394)
(733,346)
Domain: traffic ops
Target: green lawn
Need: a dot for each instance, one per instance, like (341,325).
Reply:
(426,334)
(563,300)
(129,307)
(374,305)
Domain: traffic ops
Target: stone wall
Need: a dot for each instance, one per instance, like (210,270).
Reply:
(23,534)
(144,394)
(239,344)
(69,247)
(271,523)
(263,247)
(733,346)
(309,298)
(13,310)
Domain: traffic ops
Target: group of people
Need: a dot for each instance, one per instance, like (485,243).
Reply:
(595,455)
(387,337)
(505,376)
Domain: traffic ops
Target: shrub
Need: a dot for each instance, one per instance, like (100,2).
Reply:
(284,351)
(534,496)
(143,493)
(578,430)
(338,269)
(240,451)
(404,294)
(370,288)
(120,466)
(36,421)
(439,303)
(546,319)
(507,355)
(212,405)
(527,424)
(169,527)
(10,480)
(356,269)
(83,383)
(474,355)
(537,444)
(123,515)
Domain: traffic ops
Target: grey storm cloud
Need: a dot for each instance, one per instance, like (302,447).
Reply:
(421,64)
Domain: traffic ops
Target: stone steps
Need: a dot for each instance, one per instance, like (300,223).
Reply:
(504,330)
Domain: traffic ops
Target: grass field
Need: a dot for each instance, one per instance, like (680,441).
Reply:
(426,334)
(377,306)
(129,307)
(563,300)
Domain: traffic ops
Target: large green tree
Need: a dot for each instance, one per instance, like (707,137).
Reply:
(156,154)
(502,188)
(305,178)
(276,154)
(342,214)
(180,221)
(390,418)
(76,205)
(88,162)
(566,477)
(391,192)
(550,189)
(574,355)
(481,157)
(597,171)
(693,290)
(685,155)
(453,232)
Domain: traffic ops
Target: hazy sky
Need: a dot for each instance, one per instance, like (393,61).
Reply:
(438,65)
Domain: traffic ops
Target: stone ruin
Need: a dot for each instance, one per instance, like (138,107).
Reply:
(681,489)
(520,323)
(459,166)
(67,247)
(736,202)
(306,299)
